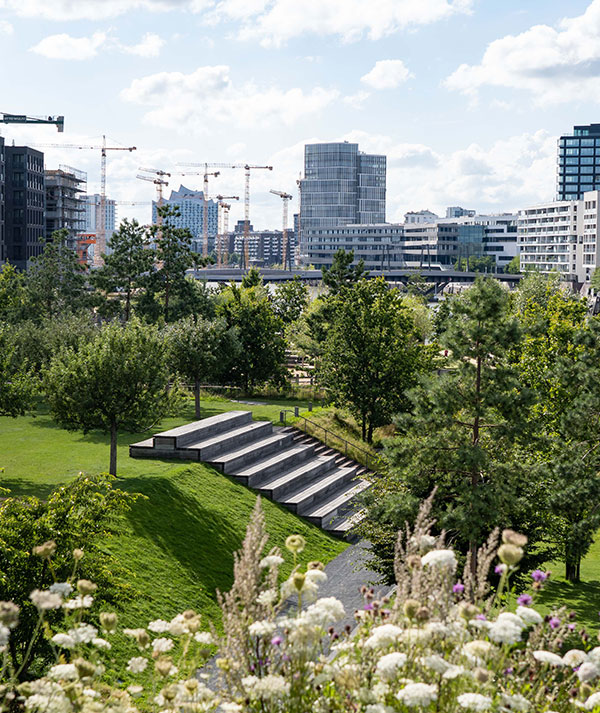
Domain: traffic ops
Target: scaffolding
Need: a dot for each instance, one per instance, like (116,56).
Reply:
(65,203)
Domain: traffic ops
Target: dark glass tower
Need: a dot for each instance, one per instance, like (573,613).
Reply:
(578,167)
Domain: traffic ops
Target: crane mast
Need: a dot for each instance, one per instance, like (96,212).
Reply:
(223,224)
(286,197)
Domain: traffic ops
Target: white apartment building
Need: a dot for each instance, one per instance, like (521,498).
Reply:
(499,234)
(420,216)
(561,236)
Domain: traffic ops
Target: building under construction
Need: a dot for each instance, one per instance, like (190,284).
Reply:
(265,247)
(65,203)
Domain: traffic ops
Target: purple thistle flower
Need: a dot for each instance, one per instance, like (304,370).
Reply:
(500,568)
(368,606)
(554,622)
(481,617)
(538,576)
(508,671)
(571,627)
(524,600)
(276,640)
(458,588)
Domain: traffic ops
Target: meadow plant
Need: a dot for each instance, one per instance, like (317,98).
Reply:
(440,642)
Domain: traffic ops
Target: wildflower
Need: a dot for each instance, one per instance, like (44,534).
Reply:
(417,694)
(478,647)
(158,626)
(4,635)
(135,691)
(324,611)
(137,664)
(592,702)
(458,588)
(45,600)
(506,629)
(108,621)
(268,597)
(262,629)
(277,640)
(383,636)
(510,554)
(101,643)
(440,558)
(500,568)
(538,576)
(84,586)
(162,645)
(83,633)
(388,665)
(525,600)
(588,671)
(271,561)
(204,637)
(554,622)
(164,666)
(474,701)
(63,640)
(316,576)
(424,543)
(529,616)
(63,672)
(295,543)
(437,663)
(230,707)
(411,606)
(515,702)
(510,537)
(594,655)
(575,657)
(9,614)
(178,626)
(46,550)
(140,635)
(62,588)
(548,657)
(268,687)
(77,554)
(81,602)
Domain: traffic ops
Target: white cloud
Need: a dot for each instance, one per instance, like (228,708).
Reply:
(274,22)
(190,101)
(149,46)
(555,64)
(96,9)
(6,28)
(357,100)
(387,74)
(64,46)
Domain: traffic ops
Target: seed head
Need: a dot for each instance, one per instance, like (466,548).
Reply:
(295,543)
(510,554)
(84,586)
(46,550)
(108,621)
(510,537)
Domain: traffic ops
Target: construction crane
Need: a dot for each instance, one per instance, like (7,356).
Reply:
(58,121)
(299,236)
(206,175)
(223,224)
(159,182)
(247,169)
(286,197)
(101,233)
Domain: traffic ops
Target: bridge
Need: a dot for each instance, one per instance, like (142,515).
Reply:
(439,278)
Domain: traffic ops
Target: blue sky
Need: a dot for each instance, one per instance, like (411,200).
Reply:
(466,97)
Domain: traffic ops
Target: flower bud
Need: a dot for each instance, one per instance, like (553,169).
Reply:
(295,543)
(510,554)
(414,561)
(163,665)
(169,692)
(84,586)
(189,614)
(223,664)
(422,614)
(298,580)
(411,606)
(85,669)
(77,554)
(9,614)
(468,610)
(142,637)
(46,550)
(108,621)
(315,564)
(510,537)
(482,675)
(191,684)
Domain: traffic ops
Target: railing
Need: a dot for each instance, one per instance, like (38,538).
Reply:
(364,457)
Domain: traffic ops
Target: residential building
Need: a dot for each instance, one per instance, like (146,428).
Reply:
(191,207)
(499,238)
(341,186)
(92,214)
(265,247)
(578,169)
(65,204)
(2,200)
(562,236)
(420,216)
(455,211)
(24,204)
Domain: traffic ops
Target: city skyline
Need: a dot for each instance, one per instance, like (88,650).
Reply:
(473,123)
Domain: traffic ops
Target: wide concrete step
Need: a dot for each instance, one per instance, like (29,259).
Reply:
(290,480)
(306,498)
(181,436)
(343,526)
(324,513)
(142,449)
(264,469)
(206,449)
(241,458)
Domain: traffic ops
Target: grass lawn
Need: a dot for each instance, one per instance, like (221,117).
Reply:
(178,543)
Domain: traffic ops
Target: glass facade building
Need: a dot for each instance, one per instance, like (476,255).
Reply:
(578,167)
(191,207)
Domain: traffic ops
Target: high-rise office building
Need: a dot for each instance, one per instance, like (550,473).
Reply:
(191,206)
(65,205)
(578,167)
(341,186)
(92,214)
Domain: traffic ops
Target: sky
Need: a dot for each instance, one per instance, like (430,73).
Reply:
(465,97)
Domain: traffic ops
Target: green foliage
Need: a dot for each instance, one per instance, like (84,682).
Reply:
(308,334)
(371,354)
(81,515)
(484,263)
(417,285)
(16,382)
(290,300)
(252,278)
(535,287)
(202,350)
(118,381)
(595,281)
(514,266)
(13,295)
(341,273)
(127,267)
(259,330)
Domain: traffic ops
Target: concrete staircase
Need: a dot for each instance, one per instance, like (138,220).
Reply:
(282,463)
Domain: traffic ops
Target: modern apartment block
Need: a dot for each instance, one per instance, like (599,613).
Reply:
(265,247)
(341,186)
(24,205)
(456,211)
(191,207)
(2,199)
(578,169)
(498,235)
(92,214)
(561,236)
(65,204)
(420,216)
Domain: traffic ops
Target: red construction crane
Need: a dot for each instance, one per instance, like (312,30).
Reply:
(223,225)
(101,233)
(286,197)
(58,121)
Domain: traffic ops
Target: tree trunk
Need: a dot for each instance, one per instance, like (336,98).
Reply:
(370,433)
(573,568)
(167,300)
(364,427)
(127,302)
(475,476)
(113,448)
(197,397)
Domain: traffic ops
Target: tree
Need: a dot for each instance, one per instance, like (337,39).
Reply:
(13,296)
(484,263)
(252,278)
(116,382)
(78,515)
(259,330)
(371,353)
(127,267)
(201,349)
(514,266)
(16,381)
(290,300)
(341,273)
(464,432)
(55,281)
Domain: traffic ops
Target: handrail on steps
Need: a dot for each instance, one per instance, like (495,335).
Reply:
(368,456)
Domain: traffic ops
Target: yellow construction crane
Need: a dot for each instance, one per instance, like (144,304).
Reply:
(58,121)
(223,225)
(286,197)
(101,233)
(159,182)
(206,175)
